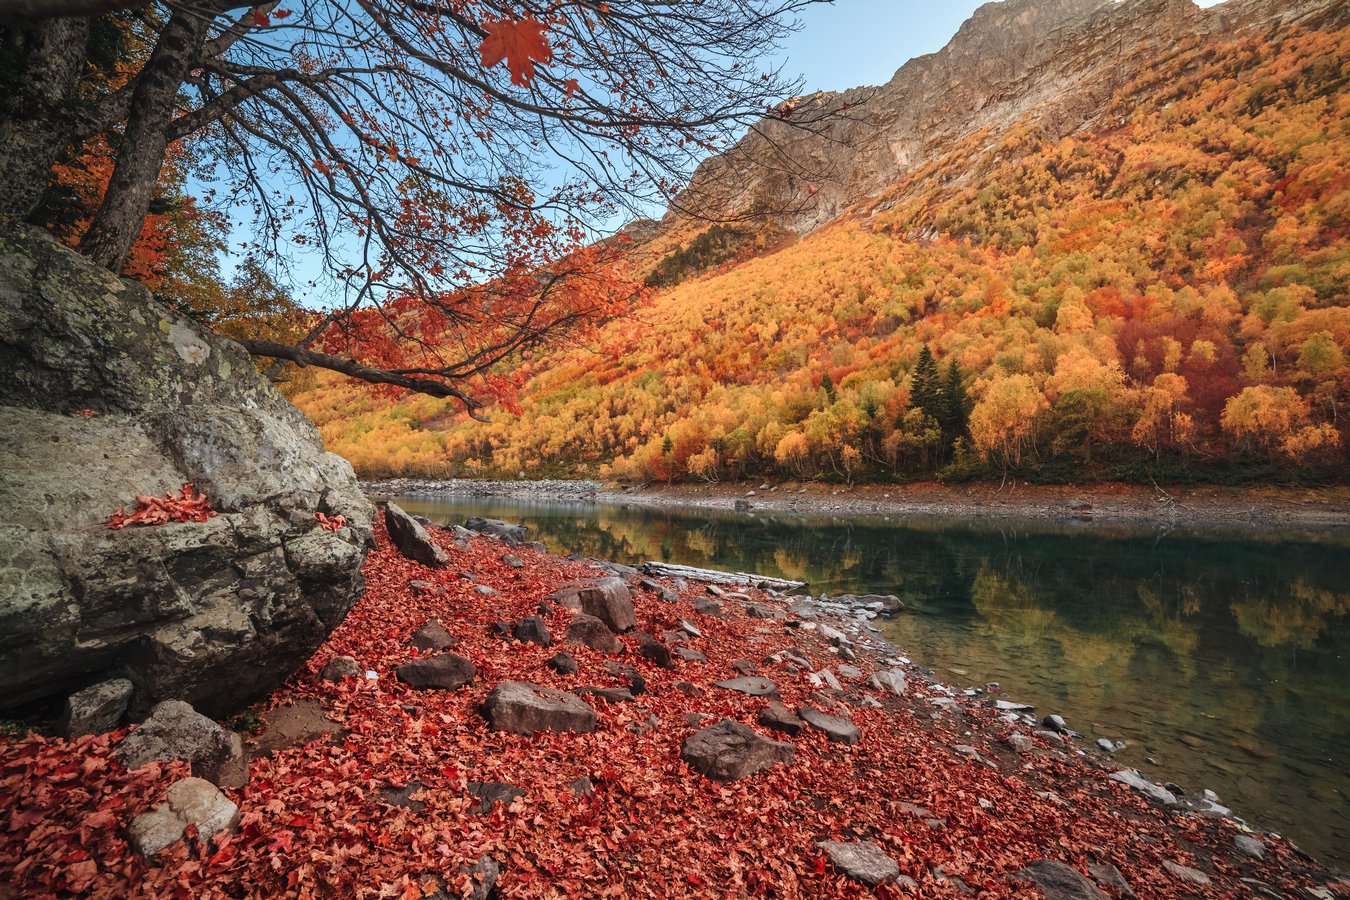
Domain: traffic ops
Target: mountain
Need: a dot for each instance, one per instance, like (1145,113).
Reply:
(1119,230)
(1054,64)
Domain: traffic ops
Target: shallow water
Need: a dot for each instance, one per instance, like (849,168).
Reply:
(1223,657)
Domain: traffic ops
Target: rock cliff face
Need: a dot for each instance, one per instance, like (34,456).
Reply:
(1051,65)
(214,613)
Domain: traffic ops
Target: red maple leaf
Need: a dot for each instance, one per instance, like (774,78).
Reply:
(521,42)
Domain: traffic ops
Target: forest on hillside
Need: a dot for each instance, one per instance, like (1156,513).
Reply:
(1161,297)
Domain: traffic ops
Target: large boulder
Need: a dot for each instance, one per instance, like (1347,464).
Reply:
(508,533)
(106,394)
(610,601)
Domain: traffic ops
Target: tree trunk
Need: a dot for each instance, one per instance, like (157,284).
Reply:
(140,153)
(40,66)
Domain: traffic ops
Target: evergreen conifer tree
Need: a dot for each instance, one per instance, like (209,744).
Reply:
(955,417)
(924,389)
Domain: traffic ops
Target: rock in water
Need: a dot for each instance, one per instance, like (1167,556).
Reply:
(1061,882)
(411,539)
(174,730)
(862,861)
(729,750)
(524,708)
(96,709)
(444,671)
(215,613)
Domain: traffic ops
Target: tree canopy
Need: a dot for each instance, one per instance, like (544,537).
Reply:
(449,160)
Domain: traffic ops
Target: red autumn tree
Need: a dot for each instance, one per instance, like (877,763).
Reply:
(451,161)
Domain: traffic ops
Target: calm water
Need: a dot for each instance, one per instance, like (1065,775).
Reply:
(1226,659)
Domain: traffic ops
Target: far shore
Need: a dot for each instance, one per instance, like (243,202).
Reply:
(1263,508)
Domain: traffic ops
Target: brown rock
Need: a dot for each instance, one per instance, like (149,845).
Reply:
(588,631)
(444,672)
(610,601)
(433,636)
(523,708)
(778,717)
(411,539)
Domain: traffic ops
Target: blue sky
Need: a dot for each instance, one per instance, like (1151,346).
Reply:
(862,42)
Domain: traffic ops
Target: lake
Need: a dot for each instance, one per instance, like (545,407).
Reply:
(1222,657)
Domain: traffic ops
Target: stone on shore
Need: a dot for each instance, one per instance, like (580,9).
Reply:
(1250,846)
(862,861)
(610,601)
(751,685)
(1061,882)
(729,751)
(532,630)
(433,636)
(443,672)
(190,801)
(651,649)
(1154,792)
(411,539)
(174,730)
(778,717)
(96,709)
(1186,873)
(837,729)
(892,680)
(340,667)
(564,664)
(523,708)
(588,631)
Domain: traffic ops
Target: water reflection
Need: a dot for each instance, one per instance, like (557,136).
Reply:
(1224,658)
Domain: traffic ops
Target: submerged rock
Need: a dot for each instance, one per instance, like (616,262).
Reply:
(215,613)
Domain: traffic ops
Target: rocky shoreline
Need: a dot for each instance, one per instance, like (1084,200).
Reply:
(493,718)
(1224,509)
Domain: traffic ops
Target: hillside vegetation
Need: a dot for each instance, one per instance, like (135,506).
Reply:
(1161,296)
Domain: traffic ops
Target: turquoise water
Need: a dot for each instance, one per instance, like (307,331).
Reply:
(1225,658)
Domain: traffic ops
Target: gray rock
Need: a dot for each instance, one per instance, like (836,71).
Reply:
(836,728)
(215,613)
(1020,742)
(411,539)
(404,797)
(610,601)
(778,717)
(490,793)
(588,631)
(532,630)
(1061,882)
(688,654)
(96,709)
(1109,745)
(1053,737)
(850,671)
(174,730)
(1250,846)
(892,680)
(484,590)
(484,874)
(443,672)
(1185,873)
(729,751)
(607,694)
(1010,706)
(750,685)
(523,708)
(1054,723)
(744,666)
(421,588)
(505,531)
(513,561)
(1109,876)
(707,607)
(190,801)
(433,636)
(564,664)
(1133,779)
(862,861)
(690,628)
